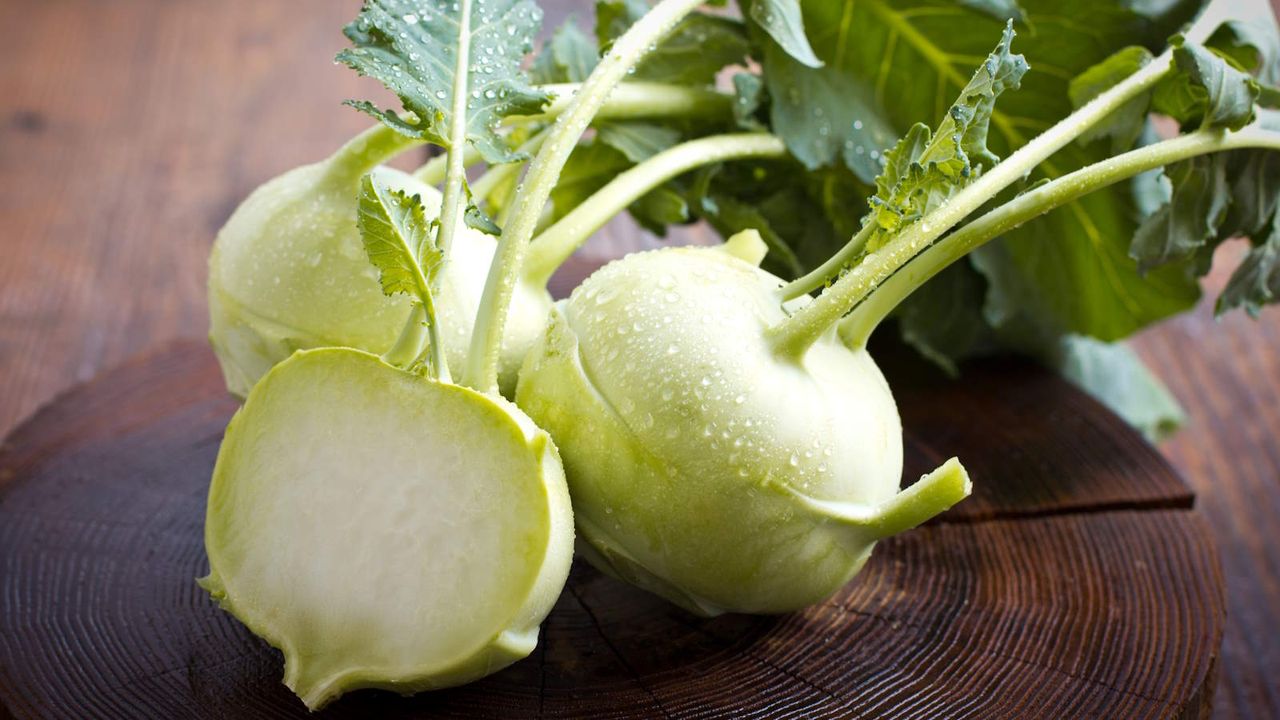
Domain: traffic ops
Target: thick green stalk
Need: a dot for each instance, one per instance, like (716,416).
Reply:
(454,201)
(365,152)
(482,359)
(829,269)
(858,326)
(794,336)
(632,100)
(551,248)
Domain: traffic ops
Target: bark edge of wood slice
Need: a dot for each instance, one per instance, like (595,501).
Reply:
(1077,582)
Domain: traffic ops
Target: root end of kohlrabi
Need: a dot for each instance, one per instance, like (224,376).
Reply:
(926,498)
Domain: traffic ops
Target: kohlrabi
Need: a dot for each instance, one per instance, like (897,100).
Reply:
(725,447)
(379,524)
(287,271)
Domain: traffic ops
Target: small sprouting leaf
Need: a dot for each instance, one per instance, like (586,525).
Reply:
(1190,218)
(1206,89)
(568,57)
(476,219)
(925,169)
(1125,124)
(398,240)
(784,22)
(411,47)
(636,140)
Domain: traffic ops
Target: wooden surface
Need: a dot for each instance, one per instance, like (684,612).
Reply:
(129,129)
(1077,582)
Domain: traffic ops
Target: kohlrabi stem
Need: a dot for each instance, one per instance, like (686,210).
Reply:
(434,170)
(858,326)
(793,336)
(628,101)
(491,319)
(498,174)
(632,100)
(366,151)
(409,345)
(555,244)
(927,497)
(829,269)
(455,200)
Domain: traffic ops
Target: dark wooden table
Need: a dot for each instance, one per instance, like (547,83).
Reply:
(130,129)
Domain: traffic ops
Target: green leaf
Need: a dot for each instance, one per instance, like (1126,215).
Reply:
(1115,376)
(1255,190)
(1206,89)
(1256,282)
(637,141)
(589,168)
(568,57)
(1191,217)
(748,97)
(411,47)
(1251,39)
(697,49)
(476,219)
(1127,123)
(782,20)
(658,208)
(926,169)
(943,319)
(397,239)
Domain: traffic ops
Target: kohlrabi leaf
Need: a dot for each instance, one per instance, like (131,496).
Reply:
(1256,282)
(398,240)
(926,168)
(1115,376)
(637,141)
(782,20)
(411,46)
(568,57)
(1255,190)
(1191,217)
(1251,40)
(1206,89)
(748,96)
(898,62)
(943,320)
(1125,124)
(698,48)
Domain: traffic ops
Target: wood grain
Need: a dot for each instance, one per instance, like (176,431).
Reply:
(1006,610)
(130,128)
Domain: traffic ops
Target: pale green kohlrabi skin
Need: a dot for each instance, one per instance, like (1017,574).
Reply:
(383,529)
(703,466)
(288,272)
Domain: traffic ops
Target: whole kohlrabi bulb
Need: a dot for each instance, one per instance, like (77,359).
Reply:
(703,465)
(288,272)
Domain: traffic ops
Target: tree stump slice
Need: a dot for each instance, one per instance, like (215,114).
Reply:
(1076,582)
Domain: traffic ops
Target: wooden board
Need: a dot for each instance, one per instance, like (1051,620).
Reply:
(1077,582)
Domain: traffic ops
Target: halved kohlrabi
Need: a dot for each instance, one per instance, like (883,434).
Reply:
(383,529)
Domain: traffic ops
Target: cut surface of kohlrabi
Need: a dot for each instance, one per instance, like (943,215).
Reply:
(383,529)
(703,465)
(288,272)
